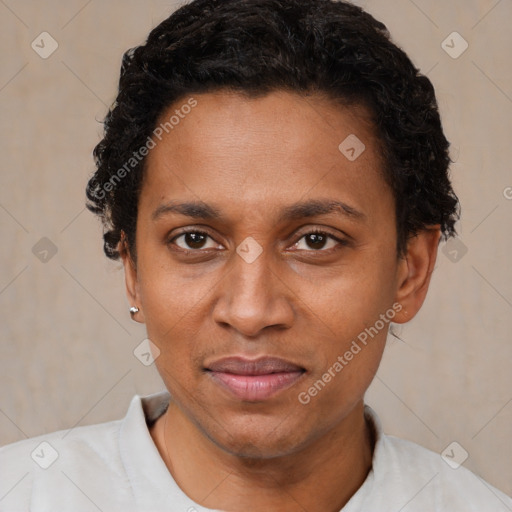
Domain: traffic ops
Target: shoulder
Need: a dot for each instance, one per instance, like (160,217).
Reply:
(59,463)
(108,466)
(426,480)
(406,476)
(63,446)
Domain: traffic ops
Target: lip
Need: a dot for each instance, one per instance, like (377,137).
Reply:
(254,379)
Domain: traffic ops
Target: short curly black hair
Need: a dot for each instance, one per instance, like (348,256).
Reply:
(259,46)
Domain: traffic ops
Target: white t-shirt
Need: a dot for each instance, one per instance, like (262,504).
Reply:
(115,466)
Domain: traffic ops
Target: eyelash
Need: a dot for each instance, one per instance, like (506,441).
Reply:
(341,241)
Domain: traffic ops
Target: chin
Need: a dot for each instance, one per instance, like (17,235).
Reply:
(260,438)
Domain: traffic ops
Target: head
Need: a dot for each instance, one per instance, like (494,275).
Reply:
(274,177)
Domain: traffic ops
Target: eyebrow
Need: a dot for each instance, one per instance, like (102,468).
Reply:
(193,209)
(315,207)
(300,210)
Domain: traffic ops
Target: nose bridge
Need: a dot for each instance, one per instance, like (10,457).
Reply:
(250,288)
(252,277)
(251,296)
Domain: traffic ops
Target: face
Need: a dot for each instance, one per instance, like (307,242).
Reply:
(283,256)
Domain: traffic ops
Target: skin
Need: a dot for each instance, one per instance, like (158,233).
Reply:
(300,300)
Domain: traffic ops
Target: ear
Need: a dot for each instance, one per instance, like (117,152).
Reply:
(131,279)
(414,272)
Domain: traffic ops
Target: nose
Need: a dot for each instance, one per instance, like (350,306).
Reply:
(252,297)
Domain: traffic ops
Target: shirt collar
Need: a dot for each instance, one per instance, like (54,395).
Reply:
(153,486)
(151,482)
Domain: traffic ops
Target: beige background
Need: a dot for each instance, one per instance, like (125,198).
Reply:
(67,339)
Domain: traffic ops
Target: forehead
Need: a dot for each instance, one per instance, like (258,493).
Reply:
(245,152)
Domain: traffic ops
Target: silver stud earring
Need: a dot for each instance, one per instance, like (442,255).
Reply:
(134,310)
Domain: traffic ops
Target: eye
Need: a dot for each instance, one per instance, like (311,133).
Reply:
(193,240)
(313,241)
(318,240)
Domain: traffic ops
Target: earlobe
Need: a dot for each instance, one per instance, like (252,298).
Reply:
(415,271)
(131,281)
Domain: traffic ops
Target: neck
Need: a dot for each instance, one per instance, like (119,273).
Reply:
(322,476)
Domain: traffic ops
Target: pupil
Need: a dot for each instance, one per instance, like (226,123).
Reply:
(318,241)
(194,240)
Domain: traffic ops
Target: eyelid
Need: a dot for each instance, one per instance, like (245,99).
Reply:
(342,241)
(192,229)
(338,235)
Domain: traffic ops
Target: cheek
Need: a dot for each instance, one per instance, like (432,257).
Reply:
(358,316)
(351,297)
(176,310)
(355,309)
(173,325)
(170,297)
(328,397)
